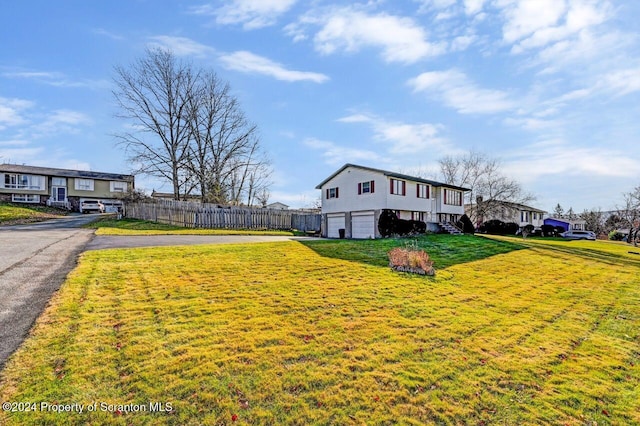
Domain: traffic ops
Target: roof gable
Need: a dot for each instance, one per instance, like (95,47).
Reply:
(389,174)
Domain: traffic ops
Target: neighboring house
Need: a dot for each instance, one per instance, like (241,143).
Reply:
(168,196)
(277,206)
(60,187)
(354,196)
(505,211)
(566,224)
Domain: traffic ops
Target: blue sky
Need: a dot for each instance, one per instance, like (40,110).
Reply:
(551,87)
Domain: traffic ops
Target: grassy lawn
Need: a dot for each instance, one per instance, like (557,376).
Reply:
(111,226)
(13,214)
(507,332)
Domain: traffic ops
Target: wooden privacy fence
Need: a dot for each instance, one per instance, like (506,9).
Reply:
(198,215)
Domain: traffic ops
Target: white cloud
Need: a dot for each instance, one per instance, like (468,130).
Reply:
(56,79)
(532,24)
(336,155)
(404,138)
(351,30)
(252,14)
(11,111)
(473,7)
(558,158)
(109,34)
(250,63)
(181,46)
(456,91)
(622,82)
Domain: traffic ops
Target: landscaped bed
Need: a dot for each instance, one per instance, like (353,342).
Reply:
(326,333)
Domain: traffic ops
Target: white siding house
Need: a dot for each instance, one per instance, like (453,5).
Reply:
(505,211)
(354,196)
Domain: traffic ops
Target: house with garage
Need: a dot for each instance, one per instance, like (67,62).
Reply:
(566,224)
(485,210)
(354,196)
(61,187)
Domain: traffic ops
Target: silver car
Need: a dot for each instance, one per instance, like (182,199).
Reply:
(579,235)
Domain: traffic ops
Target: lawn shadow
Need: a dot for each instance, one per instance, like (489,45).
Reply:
(624,258)
(444,250)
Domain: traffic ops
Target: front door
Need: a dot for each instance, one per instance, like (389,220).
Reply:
(59,193)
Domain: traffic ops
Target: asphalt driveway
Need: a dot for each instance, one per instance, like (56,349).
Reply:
(35,261)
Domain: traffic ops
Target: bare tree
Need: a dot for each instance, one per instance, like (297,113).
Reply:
(201,139)
(630,214)
(489,188)
(153,94)
(594,220)
(558,211)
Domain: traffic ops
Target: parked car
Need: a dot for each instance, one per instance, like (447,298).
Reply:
(579,235)
(91,206)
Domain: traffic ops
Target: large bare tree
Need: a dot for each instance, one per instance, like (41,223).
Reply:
(153,95)
(189,129)
(489,187)
(226,149)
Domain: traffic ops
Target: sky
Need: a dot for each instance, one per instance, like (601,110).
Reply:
(551,88)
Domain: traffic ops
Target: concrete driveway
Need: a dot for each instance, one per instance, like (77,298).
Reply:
(35,260)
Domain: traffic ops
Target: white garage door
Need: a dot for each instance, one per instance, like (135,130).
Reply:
(335,222)
(363,225)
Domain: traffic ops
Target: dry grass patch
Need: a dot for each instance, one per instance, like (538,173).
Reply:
(280,334)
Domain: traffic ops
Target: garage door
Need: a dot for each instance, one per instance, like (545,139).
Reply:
(335,222)
(363,225)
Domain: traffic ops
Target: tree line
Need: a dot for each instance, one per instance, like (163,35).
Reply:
(186,127)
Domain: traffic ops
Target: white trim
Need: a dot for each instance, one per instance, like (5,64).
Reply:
(83,184)
(28,198)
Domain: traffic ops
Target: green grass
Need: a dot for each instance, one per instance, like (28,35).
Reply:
(111,226)
(507,332)
(12,214)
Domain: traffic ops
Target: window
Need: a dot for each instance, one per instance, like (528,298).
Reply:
(84,184)
(332,193)
(25,198)
(422,191)
(366,187)
(58,181)
(452,198)
(417,216)
(398,187)
(24,181)
(118,186)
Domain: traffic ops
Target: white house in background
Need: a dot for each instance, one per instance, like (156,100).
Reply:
(354,196)
(277,206)
(507,212)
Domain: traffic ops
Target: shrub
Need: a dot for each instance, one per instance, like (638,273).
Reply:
(410,260)
(548,230)
(495,227)
(511,228)
(559,229)
(466,225)
(615,236)
(389,225)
